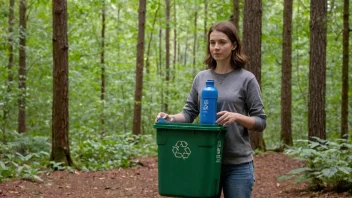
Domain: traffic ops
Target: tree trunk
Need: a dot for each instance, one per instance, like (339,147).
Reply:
(175,43)
(147,62)
(102,62)
(9,67)
(317,70)
(195,41)
(252,31)
(139,69)
(236,13)
(286,78)
(167,58)
(22,70)
(60,119)
(205,20)
(345,44)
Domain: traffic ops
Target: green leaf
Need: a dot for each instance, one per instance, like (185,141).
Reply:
(299,170)
(329,172)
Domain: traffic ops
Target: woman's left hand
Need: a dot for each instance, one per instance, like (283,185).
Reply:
(226,118)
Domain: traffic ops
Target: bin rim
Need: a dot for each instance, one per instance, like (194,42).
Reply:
(190,126)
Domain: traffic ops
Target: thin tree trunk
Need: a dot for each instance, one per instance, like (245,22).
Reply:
(195,40)
(286,78)
(252,32)
(236,13)
(159,70)
(102,62)
(60,112)
(22,70)
(137,113)
(317,70)
(205,20)
(167,58)
(175,43)
(9,67)
(147,65)
(345,44)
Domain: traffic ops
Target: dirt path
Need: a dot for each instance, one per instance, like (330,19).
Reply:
(141,181)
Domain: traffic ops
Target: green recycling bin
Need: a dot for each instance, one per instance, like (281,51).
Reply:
(189,159)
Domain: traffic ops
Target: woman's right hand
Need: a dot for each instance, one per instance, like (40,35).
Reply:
(161,115)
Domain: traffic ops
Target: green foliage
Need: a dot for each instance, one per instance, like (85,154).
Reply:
(26,156)
(329,164)
(23,159)
(112,151)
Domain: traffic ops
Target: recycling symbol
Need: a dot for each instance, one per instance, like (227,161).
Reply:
(181,150)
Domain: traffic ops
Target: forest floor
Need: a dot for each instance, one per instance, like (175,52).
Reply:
(141,181)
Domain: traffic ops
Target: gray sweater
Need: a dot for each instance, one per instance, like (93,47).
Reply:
(238,91)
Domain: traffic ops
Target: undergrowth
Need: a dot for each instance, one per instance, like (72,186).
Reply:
(328,164)
(25,156)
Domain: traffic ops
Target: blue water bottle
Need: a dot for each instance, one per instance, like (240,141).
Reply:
(208,103)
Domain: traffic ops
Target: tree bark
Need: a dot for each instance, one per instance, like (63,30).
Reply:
(345,44)
(252,31)
(195,41)
(60,117)
(317,70)
(9,67)
(102,62)
(236,13)
(205,20)
(147,62)
(286,78)
(167,58)
(22,70)
(139,69)
(175,43)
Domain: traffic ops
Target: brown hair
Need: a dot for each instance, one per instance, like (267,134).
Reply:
(238,58)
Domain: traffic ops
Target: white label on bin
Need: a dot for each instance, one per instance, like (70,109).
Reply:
(181,150)
(218,153)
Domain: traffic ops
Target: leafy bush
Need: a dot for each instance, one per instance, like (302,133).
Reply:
(329,164)
(27,156)
(18,165)
(112,151)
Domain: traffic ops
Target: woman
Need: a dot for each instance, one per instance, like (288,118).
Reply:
(240,107)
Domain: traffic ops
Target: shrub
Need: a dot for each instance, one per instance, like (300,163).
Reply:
(329,164)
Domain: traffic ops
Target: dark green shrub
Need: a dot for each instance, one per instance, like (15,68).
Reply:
(329,164)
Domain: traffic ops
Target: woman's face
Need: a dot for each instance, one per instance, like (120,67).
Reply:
(220,46)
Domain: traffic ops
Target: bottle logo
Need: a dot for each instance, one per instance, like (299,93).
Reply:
(206,106)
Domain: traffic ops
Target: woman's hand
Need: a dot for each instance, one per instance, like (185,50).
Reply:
(166,116)
(160,115)
(226,118)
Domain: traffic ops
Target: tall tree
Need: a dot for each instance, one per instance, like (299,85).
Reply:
(205,20)
(167,48)
(236,13)
(286,77)
(102,63)
(60,123)
(345,44)
(147,61)
(139,69)
(175,42)
(252,32)
(9,66)
(195,40)
(22,70)
(317,69)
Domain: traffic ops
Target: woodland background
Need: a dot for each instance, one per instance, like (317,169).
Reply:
(189,23)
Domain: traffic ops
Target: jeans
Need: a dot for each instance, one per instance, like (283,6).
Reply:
(237,180)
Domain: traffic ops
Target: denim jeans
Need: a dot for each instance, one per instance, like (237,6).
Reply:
(237,180)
